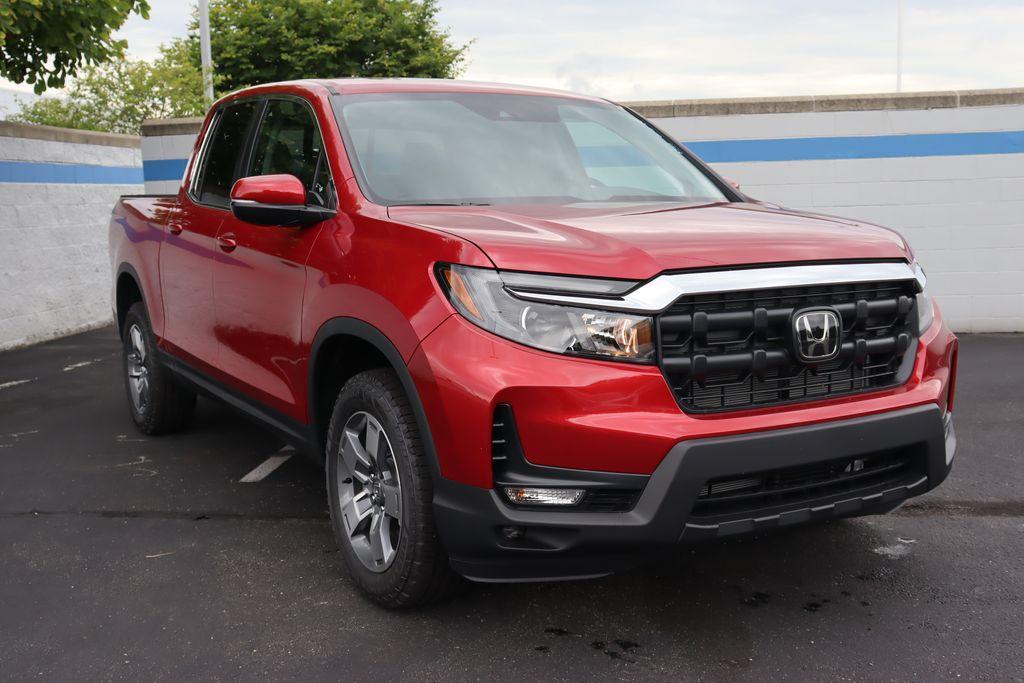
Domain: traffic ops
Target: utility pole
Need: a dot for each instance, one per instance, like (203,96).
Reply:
(204,50)
(899,45)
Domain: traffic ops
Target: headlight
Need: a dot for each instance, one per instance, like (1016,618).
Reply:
(925,306)
(925,312)
(480,296)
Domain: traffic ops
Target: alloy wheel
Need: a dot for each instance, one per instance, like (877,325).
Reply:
(369,492)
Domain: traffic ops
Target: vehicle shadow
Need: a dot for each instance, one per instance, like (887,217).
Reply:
(719,603)
(718,607)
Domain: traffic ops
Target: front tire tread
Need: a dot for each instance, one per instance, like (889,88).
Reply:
(421,573)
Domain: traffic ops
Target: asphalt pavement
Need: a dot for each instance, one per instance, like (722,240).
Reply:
(124,556)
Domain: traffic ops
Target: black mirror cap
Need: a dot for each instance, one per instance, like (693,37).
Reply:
(280,215)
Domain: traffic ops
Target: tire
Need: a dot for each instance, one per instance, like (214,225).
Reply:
(158,405)
(382,507)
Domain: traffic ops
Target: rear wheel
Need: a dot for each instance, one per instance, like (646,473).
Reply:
(378,481)
(156,403)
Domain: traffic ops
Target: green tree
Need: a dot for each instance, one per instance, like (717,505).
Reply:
(259,41)
(255,41)
(119,95)
(46,41)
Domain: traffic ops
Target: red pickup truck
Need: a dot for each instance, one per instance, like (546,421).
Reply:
(528,334)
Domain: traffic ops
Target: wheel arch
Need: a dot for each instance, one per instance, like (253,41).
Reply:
(347,334)
(127,291)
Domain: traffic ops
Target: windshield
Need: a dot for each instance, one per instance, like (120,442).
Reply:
(484,148)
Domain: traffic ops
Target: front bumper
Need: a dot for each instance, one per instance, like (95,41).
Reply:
(606,424)
(557,544)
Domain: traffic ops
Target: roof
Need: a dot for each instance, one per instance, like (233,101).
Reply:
(396,85)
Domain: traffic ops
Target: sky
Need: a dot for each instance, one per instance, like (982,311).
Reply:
(680,49)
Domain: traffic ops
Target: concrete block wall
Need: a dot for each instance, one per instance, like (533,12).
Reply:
(166,147)
(57,188)
(945,169)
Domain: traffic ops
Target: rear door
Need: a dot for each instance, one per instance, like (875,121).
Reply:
(259,286)
(188,257)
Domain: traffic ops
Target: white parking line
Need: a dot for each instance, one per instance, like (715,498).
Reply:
(75,366)
(268,466)
(17,382)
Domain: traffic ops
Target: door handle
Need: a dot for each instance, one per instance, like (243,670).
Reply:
(175,228)
(227,242)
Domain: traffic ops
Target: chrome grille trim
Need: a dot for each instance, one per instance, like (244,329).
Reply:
(659,293)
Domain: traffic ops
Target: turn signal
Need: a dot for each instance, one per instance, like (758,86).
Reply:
(459,290)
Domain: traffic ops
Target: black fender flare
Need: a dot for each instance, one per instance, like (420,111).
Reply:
(353,327)
(127,269)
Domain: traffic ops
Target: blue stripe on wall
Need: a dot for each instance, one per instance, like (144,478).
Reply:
(860,147)
(41,172)
(776,149)
(164,169)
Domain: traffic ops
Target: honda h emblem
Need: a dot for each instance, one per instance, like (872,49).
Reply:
(816,335)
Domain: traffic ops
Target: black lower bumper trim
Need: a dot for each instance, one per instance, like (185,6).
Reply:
(868,503)
(566,544)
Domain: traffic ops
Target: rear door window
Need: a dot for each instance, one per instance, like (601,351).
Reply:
(222,165)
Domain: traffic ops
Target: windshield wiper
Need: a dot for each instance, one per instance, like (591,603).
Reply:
(645,197)
(440,204)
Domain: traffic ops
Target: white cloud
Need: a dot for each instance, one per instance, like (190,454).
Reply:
(731,48)
(662,49)
(168,19)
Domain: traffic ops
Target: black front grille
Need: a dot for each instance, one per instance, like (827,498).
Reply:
(734,350)
(745,494)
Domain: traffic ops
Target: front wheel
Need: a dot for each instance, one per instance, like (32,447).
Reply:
(380,490)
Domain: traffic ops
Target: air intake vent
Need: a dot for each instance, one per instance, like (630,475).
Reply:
(502,433)
(610,500)
(748,493)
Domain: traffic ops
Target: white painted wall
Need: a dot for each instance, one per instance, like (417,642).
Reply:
(168,147)
(963,215)
(54,269)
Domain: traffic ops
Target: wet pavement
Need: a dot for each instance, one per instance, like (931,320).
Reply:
(124,556)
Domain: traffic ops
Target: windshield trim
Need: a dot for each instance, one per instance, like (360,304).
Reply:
(730,193)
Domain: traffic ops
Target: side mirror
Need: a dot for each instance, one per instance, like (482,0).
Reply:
(732,182)
(276,200)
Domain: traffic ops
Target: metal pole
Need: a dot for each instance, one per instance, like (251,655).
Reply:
(899,45)
(204,50)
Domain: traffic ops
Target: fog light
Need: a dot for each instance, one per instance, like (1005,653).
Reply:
(538,496)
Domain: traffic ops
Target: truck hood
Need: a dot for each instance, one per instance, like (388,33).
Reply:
(639,241)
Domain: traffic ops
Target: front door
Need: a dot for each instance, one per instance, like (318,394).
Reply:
(259,285)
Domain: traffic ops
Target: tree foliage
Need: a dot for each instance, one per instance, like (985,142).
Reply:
(119,95)
(259,41)
(253,41)
(45,41)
